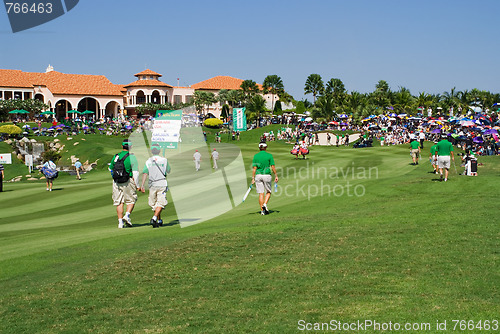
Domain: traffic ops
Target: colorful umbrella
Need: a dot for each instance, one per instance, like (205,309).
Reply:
(73,112)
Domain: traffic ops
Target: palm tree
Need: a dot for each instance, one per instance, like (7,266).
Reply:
(424,100)
(314,85)
(381,97)
(234,97)
(404,100)
(274,85)
(249,88)
(255,107)
(202,98)
(324,107)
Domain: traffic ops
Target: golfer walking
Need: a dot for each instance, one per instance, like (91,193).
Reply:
(155,170)
(263,163)
(124,191)
(415,151)
(78,168)
(444,150)
(197,160)
(215,157)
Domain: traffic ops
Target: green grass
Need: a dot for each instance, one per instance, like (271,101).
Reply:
(409,249)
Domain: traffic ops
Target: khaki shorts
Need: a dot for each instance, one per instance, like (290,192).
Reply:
(414,153)
(263,183)
(124,193)
(157,198)
(444,162)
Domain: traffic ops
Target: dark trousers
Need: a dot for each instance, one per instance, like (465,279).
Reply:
(421,143)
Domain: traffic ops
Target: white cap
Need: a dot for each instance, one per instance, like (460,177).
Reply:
(262,145)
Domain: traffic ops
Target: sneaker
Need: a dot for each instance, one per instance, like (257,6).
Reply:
(445,180)
(120,225)
(262,213)
(127,221)
(160,222)
(154,223)
(264,208)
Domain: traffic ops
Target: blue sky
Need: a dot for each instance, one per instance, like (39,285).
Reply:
(425,46)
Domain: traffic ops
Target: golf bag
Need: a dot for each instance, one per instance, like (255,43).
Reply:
(294,151)
(304,151)
(50,173)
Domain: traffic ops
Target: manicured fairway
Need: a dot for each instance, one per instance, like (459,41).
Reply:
(353,234)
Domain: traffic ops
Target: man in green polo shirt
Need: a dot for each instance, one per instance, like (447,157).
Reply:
(263,163)
(124,192)
(415,151)
(444,150)
(433,157)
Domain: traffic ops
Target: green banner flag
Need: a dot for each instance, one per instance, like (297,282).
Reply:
(239,119)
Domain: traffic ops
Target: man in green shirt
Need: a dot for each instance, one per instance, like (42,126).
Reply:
(125,192)
(263,163)
(443,152)
(433,157)
(415,151)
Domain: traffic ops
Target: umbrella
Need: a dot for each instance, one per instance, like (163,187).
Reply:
(393,114)
(87,112)
(74,112)
(26,126)
(436,131)
(467,123)
(334,123)
(343,116)
(477,140)
(343,123)
(22,111)
(14,112)
(308,119)
(490,131)
(48,112)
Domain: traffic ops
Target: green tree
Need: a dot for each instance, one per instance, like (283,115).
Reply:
(202,99)
(225,112)
(404,101)
(381,97)
(314,85)
(274,85)
(255,107)
(324,107)
(151,108)
(249,89)
(235,97)
(336,89)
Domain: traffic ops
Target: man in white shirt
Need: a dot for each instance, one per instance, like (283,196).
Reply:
(215,157)
(155,170)
(421,137)
(197,160)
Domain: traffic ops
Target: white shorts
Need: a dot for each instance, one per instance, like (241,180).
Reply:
(124,192)
(444,162)
(263,183)
(157,198)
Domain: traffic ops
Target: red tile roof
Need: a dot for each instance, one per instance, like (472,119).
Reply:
(60,83)
(147,83)
(147,72)
(220,82)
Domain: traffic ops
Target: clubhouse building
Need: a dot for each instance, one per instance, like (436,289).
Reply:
(65,92)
